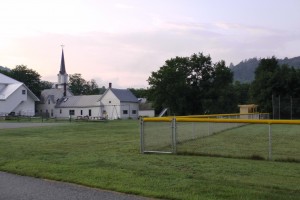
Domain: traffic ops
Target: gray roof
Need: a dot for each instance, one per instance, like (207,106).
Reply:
(53,94)
(124,95)
(79,101)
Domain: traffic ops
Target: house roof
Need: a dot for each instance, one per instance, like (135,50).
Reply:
(79,101)
(7,80)
(10,86)
(53,94)
(124,95)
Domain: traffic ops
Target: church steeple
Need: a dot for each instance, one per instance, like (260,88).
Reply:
(62,75)
(62,63)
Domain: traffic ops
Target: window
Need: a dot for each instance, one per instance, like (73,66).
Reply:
(134,112)
(71,112)
(81,112)
(23,91)
(90,112)
(59,111)
(125,112)
(109,102)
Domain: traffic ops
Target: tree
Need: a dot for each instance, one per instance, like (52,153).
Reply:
(76,84)
(168,86)
(46,85)
(242,92)
(80,86)
(221,96)
(262,88)
(273,80)
(192,85)
(140,93)
(27,76)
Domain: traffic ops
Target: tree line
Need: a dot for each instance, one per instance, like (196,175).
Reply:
(196,85)
(32,79)
(193,85)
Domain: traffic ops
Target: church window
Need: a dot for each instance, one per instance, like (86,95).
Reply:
(71,112)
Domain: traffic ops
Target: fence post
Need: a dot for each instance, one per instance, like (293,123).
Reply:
(194,137)
(174,135)
(142,134)
(270,142)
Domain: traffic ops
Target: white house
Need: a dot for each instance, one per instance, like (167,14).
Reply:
(61,103)
(15,97)
(119,103)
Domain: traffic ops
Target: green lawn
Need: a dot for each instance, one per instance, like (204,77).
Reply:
(250,141)
(106,155)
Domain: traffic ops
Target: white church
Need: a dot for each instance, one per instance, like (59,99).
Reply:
(59,102)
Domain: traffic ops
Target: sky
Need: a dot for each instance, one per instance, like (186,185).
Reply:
(123,41)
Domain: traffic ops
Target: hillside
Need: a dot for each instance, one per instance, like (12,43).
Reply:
(244,71)
(4,68)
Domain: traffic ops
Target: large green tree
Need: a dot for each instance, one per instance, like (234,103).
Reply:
(273,80)
(192,85)
(79,86)
(29,77)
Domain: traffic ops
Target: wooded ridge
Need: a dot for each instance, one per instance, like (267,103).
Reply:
(244,71)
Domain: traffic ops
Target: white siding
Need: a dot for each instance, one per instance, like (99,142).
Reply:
(131,108)
(21,104)
(65,112)
(111,105)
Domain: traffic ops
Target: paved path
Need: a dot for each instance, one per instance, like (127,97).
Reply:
(15,187)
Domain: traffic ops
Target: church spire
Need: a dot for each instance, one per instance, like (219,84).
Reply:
(62,63)
(62,75)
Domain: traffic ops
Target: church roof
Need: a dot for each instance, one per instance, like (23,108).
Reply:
(124,95)
(53,94)
(62,64)
(79,101)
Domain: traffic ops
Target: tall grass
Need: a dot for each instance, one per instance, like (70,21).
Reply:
(106,155)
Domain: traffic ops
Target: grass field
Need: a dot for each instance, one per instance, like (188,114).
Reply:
(249,141)
(106,155)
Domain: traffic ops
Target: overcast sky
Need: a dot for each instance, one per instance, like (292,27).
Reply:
(123,41)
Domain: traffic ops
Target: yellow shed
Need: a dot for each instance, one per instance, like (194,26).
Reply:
(248,111)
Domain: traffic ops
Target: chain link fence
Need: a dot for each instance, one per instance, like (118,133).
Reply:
(239,138)
(285,107)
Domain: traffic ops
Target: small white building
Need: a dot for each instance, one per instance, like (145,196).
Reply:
(119,103)
(16,98)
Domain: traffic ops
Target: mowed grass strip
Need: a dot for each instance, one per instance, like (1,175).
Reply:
(249,141)
(106,155)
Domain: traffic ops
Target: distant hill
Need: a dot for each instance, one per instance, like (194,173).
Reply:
(244,71)
(4,68)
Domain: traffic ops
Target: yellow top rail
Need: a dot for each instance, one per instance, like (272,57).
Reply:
(221,115)
(249,121)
